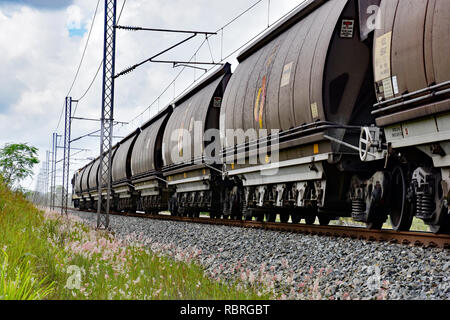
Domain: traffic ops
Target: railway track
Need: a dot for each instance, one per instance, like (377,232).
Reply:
(421,239)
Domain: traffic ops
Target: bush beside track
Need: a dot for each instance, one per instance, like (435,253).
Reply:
(44,256)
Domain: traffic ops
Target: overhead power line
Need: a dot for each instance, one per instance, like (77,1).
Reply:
(84,51)
(222,59)
(81,61)
(79,65)
(99,66)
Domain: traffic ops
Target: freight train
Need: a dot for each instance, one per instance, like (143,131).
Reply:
(342,109)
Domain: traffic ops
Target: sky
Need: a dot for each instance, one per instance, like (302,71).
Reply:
(42,42)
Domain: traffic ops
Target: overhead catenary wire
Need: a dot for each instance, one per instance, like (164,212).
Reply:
(248,41)
(240,15)
(99,66)
(183,67)
(167,87)
(84,51)
(195,53)
(172,83)
(210,51)
(92,81)
(79,65)
(220,30)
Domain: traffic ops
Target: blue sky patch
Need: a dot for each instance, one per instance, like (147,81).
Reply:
(44,4)
(77,32)
(3,108)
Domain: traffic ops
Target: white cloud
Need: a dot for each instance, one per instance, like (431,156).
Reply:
(74,17)
(39,60)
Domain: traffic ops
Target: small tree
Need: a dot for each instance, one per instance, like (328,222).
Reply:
(17,161)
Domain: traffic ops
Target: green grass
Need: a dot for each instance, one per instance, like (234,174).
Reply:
(21,285)
(46,256)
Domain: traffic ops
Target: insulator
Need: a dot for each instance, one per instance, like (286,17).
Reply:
(126,71)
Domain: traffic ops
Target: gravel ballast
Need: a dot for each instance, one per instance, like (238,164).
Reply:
(296,266)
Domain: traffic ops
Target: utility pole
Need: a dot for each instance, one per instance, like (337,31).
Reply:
(66,158)
(47,173)
(40,186)
(107,117)
(53,173)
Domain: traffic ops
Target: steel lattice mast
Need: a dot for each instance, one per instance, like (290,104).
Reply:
(66,158)
(109,49)
(53,173)
(47,176)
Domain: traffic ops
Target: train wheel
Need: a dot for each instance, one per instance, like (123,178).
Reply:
(259,217)
(248,215)
(443,226)
(442,229)
(375,225)
(401,207)
(376,220)
(377,215)
(310,214)
(271,217)
(295,217)
(324,221)
(310,219)
(284,217)
(236,213)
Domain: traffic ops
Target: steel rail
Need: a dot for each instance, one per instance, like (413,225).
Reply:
(411,238)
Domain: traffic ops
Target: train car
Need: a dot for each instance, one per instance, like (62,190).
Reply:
(196,183)
(300,94)
(333,112)
(145,165)
(412,80)
(125,197)
(93,183)
(94,180)
(86,201)
(76,188)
